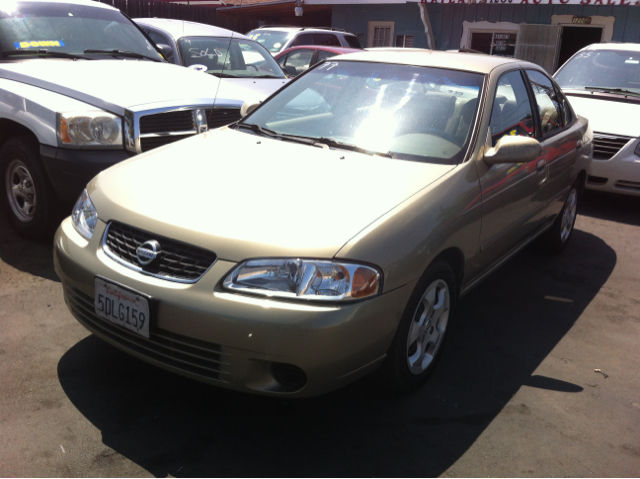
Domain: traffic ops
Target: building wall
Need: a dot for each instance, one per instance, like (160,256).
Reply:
(355,18)
(446,19)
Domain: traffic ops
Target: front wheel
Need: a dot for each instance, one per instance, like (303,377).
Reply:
(26,195)
(421,333)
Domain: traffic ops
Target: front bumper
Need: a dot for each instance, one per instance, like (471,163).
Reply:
(619,174)
(70,170)
(232,340)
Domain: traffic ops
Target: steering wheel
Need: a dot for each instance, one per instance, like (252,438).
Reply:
(442,134)
(255,68)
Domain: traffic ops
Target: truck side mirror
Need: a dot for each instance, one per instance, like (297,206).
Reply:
(166,51)
(248,106)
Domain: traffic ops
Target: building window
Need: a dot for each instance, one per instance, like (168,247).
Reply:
(380,34)
(404,41)
(494,43)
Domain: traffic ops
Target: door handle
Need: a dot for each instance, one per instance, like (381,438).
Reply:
(578,145)
(541,166)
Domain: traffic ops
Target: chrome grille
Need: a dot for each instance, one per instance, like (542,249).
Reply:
(606,146)
(178,261)
(147,144)
(172,121)
(197,357)
(222,116)
(160,129)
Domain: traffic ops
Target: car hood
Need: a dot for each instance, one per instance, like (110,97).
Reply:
(608,116)
(115,85)
(244,196)
(247,89)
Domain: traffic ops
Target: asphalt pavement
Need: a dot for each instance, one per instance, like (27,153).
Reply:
(539,377)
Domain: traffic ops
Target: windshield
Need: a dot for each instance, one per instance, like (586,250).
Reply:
(223,56)
(601,68)
(272,41)
(406,112)
(69,28)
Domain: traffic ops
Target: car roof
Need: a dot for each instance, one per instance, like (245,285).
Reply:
(183,28)
(338,50)
(88,3)
(432,58)
(301,29)
(628,47)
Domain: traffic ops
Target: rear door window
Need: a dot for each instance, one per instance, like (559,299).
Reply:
(298,61)
(157,38)
(304,39)
(327,39)
(547,100)
(323,55)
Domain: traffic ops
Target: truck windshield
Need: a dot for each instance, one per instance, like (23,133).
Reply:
(70,28)
(611,71)
(228,57)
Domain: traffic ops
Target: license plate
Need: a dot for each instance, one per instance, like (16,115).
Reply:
(122,306)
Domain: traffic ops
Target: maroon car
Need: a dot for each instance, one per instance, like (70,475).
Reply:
(295,60)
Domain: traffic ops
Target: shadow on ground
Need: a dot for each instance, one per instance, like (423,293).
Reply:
(32,257)
(506,327)
(607,206)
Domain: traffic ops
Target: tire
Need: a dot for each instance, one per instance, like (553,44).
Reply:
(25,193)
(558,236)
(420,335)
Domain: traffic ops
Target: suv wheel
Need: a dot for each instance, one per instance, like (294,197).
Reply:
(26,195)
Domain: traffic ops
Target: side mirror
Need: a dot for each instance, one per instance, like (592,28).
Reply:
(166,51)
(513,149)
(247,107)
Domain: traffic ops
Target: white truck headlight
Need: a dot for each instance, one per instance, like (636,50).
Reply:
(295,278)
(85,216)
(90,129)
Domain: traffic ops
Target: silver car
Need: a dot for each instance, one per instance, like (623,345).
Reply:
(236,59)
(333,230)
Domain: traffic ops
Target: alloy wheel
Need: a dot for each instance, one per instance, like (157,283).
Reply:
(428,326)
(569,215)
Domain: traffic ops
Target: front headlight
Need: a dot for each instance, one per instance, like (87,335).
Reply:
(90,129)
(305,279)
(84,216)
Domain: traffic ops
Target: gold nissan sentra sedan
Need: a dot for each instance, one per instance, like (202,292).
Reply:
(333,230)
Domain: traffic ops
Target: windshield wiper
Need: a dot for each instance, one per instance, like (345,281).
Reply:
(43,52)
(222,75)
(612,90)
(254,127)
(333,143)
(121,53)
(269,76)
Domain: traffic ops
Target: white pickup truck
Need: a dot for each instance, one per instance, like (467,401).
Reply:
(83,88)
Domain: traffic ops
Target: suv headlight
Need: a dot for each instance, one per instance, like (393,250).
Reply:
(90,129)
(85,216)
(294,278)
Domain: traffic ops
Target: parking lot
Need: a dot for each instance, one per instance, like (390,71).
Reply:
(539,378)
